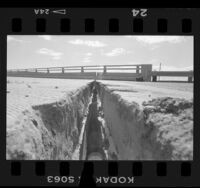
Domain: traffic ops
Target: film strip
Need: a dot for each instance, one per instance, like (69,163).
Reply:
(109,22)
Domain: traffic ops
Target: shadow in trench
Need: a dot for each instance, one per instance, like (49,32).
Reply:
(94,149)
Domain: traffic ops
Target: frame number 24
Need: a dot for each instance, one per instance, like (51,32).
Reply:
(139,12)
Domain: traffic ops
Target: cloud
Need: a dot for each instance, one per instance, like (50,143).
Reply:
(87,58)
(45,37)
(158,39)
(88,54)
(90,43)
(51,53)
(117,52)
(14,39)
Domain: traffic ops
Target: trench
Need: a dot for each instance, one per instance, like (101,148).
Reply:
(94,123)
(94,143)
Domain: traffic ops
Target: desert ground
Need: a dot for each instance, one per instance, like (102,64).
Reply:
(23,93)
(58,119)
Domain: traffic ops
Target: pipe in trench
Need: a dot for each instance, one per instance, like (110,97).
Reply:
(93,141)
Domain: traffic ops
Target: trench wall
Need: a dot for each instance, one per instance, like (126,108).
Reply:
(161,129)
(125,124)
(50,131)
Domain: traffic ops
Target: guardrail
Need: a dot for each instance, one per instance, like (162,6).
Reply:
(139,72)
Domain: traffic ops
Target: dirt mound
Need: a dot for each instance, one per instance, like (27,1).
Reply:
(168,105)
(169,124)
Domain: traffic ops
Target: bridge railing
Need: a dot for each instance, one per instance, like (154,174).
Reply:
(188,74)
(81,68)
(137,70)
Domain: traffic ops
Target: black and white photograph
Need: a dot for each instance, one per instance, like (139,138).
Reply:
(99,97)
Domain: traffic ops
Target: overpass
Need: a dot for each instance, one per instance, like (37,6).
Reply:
(136,72)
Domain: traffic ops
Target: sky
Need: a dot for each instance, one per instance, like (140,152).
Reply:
(35,51)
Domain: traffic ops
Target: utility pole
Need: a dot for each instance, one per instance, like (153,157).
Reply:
(159,70)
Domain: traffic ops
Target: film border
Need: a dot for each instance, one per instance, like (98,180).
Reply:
(113,22)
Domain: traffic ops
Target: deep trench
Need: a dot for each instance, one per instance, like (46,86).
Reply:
(93,147)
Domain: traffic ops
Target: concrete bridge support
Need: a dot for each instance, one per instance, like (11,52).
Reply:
(154,78)
(146,72)
(82,69)
(63,70)
(137,69)
(104,69)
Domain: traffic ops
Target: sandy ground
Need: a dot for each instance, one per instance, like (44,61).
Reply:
(166,124)
(22,93)
(145,91)
(44,117)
